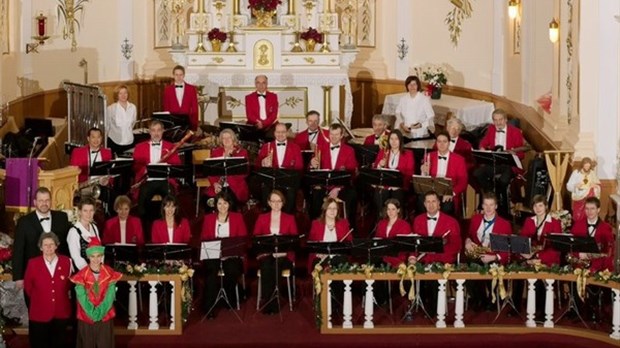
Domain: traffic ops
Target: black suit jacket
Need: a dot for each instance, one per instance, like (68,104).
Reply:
(27,235)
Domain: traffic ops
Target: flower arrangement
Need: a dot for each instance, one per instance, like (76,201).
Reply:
(565,218)
(312,34)
(264,5)
(217,34)
(434,75)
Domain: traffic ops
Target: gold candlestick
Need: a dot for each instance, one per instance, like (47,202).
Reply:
(325,47)
(236,10)
(326,6)
(201,6)
(291,7)
(231,42)
(327,100)
(296,45)
(201,47)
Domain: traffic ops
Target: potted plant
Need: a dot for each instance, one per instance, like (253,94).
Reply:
(312,37)
(435,76)
(263,10)
(216,36)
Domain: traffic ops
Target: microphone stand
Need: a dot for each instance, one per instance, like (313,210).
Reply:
(29,175)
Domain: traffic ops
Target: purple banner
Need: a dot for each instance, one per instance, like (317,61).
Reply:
(21,174)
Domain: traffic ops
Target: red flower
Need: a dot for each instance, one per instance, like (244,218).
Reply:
(264,5)
(216,34)
(312,34)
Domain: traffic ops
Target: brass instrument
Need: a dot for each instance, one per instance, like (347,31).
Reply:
(269,157)
(475,253)
(90,188)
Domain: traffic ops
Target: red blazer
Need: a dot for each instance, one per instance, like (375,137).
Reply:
(188,107)
(548,255)
(236,225)
(142,156)
(134,233)
(302,139)
(252,108)
(457,171)
(317,233)
(292,156)
(370,140)
(514,139)
(288,226)
(79,158)
(346,158)
(604,237)
(406,163)
(237,183)
(448,228)
(159,232)
(49,296)
(463,148)
(400,227)
(500,226)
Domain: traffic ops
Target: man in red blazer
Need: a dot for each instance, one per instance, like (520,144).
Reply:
(336,155)
(500,136)
(47,284)
(280,154)
(458,144)
(84,157)
(148,152)
(182,98)
(379,128)
(445,164)
(261,106)
(313,136)
(593,226)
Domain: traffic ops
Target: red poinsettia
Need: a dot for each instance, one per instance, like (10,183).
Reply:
(264,5)
(312,34)
(216,34)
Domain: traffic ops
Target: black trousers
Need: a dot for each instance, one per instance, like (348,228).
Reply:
(269,279)
(346,194)
(495,180)
(381,195)
(48,334)
(147,191)
(117,149)
(233,269)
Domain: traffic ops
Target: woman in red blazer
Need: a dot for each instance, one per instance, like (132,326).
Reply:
(391,226)
(397,158)
(123,228)
(235,183)
(171,228)
(223,223)
(47,284)
(329,227)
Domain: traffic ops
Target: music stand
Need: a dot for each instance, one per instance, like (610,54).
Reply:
(118,252)
(225,166)
(382,177)
(418,244)
(495,158)
(171,120)
(423,184)
(328,248)
(568,243)
(365,154)
(165,171)
(245,132)
(274,244)
(327,177)
(278,177)
(169,251)
(228,247)
(307,156)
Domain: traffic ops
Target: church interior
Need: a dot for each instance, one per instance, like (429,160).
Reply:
(309,173)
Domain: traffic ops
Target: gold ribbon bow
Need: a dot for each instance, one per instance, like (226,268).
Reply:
(447,268)
(406,272)
(582,277)
(368,270)
(316,278)
(498,274)
(605,275)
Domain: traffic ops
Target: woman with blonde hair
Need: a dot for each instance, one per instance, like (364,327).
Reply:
(119,120)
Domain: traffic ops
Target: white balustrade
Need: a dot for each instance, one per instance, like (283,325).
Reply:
(615,333)
(347,306)
(153,313)
(441,304)
(132,309)
(329,304)
(172,311)
(549,304)
(531,303)
(459,307)
(369,305)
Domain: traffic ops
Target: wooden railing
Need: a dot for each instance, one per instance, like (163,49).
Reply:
(459,325)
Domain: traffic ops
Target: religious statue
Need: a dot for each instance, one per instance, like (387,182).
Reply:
(583,183)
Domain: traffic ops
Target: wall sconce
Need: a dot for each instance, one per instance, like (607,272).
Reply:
(513,8)
(40,37)
(554,31)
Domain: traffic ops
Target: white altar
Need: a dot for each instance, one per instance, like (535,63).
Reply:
(274,51)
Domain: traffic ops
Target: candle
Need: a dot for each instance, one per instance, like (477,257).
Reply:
(291,7)
(326,6)
(41,24)
(236,7)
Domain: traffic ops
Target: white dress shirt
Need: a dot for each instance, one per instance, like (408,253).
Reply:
(394,158)
(179,93)
(155,152)
(541,227)
(411,110)
(280,151)
(73,240)
(330,234)
(262,106)
(222,229)
(442,165)
(591,228)
(94,156)
(453,142)
(431,224)
(123,224)
(334,155)
(484,231)
(313,137)
(500,138)
(119,123)
(51,266)
(45,224)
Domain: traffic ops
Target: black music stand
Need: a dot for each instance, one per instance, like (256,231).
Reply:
(225,166)
(228,247)
(168,251)
(371,248)
(110,168)
(118,252)
(245,132)
(382,177)
(273,244)
(171,120)
(328,248)
(423,184)
(307,156)
(495,158)
(165,171)
(327,177)
(568,243)
(418,244)
(273,177)
(365,154)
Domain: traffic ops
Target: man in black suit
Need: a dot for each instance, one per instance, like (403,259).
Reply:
(29,228)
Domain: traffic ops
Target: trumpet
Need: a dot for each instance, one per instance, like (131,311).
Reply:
(317,155)
(476,252)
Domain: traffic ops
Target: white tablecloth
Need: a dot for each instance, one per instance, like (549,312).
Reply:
(471,112)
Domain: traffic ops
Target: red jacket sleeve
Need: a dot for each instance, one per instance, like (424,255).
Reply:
(182,233)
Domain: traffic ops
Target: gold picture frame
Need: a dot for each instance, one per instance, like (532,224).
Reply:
(516,36)
(4,27)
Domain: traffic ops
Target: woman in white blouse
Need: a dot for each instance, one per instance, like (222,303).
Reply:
(414,111)
(81,232)
(120,118)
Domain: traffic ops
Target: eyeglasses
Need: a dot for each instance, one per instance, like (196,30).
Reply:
(332,208)
(272,201)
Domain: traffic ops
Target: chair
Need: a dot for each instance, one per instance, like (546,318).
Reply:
(287,274)
(198,157)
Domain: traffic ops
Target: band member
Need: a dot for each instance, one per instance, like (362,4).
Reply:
(275,222)
(155,150)
(414,112)
(281,154)
(394,157)
(47,284)
(335,156)
(478,242)
(30,227)
(261,106)
(123,228)
(329,227)
(171,228)
(314,135)
(119,119)
(444,164)
(391,226)
(84,157)
(181,98)
(379,130)
(235,185)
(458,144)
(82,232)
(500,136)
(95,289)
(593,226)
(223,223)
(583,183)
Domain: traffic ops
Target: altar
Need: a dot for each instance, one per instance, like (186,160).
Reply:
(304,77)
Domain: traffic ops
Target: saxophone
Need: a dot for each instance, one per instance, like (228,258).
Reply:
(475,253)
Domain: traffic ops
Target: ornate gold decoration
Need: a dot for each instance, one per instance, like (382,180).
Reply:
(218,60)
(308,7)
(327,114)
(309,60)
(462,10)
(263,18)
(68,10)
(406,272)
(569,61)
(219,6)
(292,102)
(231,42)
(498,274)
(310,44)
(216,45)
(582,277)
(263,55)
(200,48)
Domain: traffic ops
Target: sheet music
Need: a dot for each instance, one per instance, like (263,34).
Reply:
(161,113)
(220,158)
(210,250)
(514,156)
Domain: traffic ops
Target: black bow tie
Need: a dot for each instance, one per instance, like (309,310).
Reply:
(95,151)
(155,144)
(443,157)
(178,86)
(312,133)
(453,140)
(335,147)
(44,218)
(488,221)
(262,95)
(592,225)
(377,137)
(281,144)
(500,131)
(431,218)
